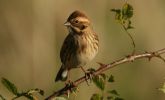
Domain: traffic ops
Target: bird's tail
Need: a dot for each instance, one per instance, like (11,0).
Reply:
(62,74)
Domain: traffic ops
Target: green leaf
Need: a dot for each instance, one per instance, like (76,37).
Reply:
(116,10)
(99,82)
(31,91)
(110,98)
(96,97)
(127,11)
(30,97)
(128,25)
(1,97)
(124,15)
(162,88)
(114,98)
(111,79)
(103,76)
(10,86)
(28,94)
(118,15)
(118,98)
(60,98)
(114,92)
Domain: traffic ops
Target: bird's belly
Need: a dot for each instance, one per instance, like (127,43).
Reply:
(81,59)
(86,56)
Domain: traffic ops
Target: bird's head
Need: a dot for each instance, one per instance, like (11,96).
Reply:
(77,22)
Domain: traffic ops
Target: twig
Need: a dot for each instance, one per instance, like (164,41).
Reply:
(103,68)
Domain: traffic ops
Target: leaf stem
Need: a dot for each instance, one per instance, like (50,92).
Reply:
(133,42)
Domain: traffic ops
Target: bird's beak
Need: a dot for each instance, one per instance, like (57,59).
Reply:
(67,24)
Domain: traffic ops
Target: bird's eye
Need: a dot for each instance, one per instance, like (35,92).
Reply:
(76,21)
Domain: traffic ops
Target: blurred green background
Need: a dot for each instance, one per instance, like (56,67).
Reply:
(32,32)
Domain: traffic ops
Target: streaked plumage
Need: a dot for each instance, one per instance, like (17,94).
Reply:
(80,46)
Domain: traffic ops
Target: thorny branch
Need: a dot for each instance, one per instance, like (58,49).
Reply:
(103,68)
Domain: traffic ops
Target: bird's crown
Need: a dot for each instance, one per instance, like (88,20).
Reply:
(76,14)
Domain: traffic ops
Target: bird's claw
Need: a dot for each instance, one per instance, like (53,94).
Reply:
(89,75)
(72,88)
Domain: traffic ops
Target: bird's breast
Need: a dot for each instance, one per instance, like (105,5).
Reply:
(88,48)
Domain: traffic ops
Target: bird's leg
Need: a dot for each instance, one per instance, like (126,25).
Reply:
(68,81)
(88,75)
(83,69)
(72,88)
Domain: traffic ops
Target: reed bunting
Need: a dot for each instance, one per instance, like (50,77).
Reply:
(79,47)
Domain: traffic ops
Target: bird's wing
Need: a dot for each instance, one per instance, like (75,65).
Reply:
(68,48)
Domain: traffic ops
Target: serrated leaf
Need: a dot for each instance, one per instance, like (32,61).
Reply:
(10,86)
(60,98)
(127,11)
(99,82)
(96,97)
(111,79)
(114,92)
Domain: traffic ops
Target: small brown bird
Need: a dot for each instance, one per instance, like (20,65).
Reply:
(79,47)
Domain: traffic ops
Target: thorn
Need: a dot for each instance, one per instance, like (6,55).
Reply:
(161,58)
(156,55)
(149,58)
(145,51)
(86,79)
(101,64)
(130,58)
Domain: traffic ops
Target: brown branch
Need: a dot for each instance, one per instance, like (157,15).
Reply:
(103,68)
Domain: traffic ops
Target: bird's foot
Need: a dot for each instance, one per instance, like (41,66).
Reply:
(89,75)
(71,88)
